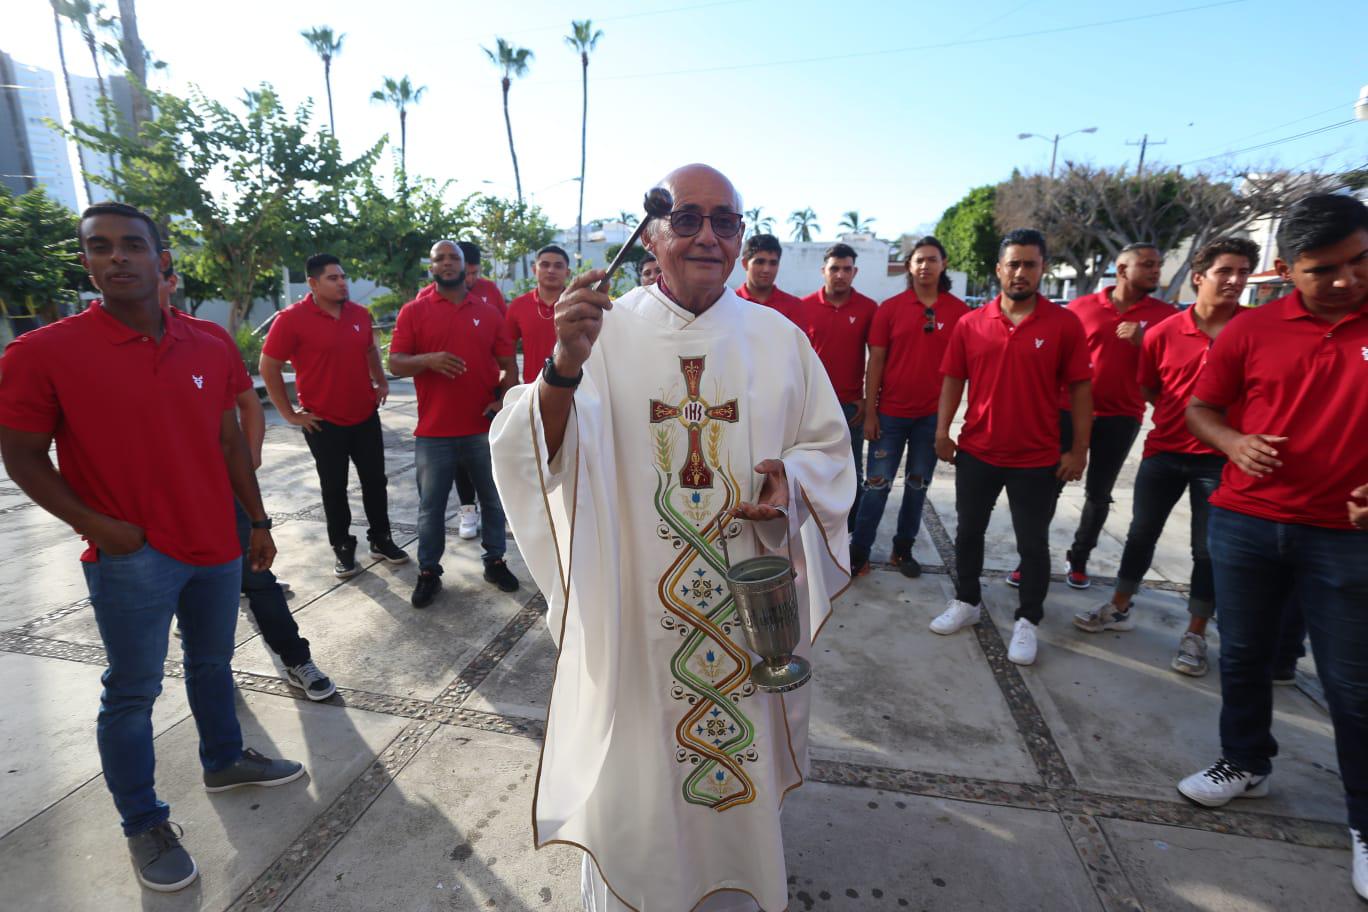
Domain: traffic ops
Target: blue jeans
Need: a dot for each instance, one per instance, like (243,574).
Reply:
(918,437)
(1159,483)
(134,597)
(1259,566)
(438,459)
(856,448)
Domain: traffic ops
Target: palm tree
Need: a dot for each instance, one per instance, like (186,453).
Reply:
(851,221)
(513,61)
(80,13)
(583,38)
(758,223)
(401,94)
(58,7)
(627,218)
(804,222)
(321,39)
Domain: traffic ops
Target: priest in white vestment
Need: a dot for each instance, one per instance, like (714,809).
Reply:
(619,467)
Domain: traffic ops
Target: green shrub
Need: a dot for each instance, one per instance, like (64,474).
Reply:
(250,346)
(385,307)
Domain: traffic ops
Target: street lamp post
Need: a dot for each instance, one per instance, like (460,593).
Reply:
(1054,142)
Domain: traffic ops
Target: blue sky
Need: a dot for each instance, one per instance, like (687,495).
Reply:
(894,109)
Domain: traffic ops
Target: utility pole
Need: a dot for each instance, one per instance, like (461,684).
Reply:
(1144,142)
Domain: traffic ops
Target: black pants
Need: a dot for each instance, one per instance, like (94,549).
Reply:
(1110,444)
(266,600)
(465,487)
(333,446)
(1030,497)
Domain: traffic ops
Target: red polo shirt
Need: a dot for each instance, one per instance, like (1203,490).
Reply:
(242,380)
(839,336)
(782,301)
(1014,375)
(1171,357)
(136,423)
(912,377)
(533,322)
(487,291)
(1291,374)
(1114,388)
(472,331)
(330,357)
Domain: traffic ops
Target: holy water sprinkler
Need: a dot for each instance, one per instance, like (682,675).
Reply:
(657,204)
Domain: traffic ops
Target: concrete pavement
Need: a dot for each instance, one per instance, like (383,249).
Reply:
(943,777)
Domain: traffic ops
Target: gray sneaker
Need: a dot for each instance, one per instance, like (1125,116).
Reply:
(315,684)
(160,860)
(1105,616)
(253,769)
(1191,659)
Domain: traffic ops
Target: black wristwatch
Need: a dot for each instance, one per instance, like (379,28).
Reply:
(261,523)
(554,379)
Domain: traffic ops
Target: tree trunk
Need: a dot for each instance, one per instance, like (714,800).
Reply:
(135,60)
(512,152)
(104,96)
(71,99)
(584,126)
(327,82)
(403,142)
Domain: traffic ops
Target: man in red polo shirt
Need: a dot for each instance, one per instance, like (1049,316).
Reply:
(153,498)
(1284,394)
(1015,353)
(457,349)
(531,316)
(341,384)
(1115,320)
(760,258)
(837,319)
(1171,357)
(477,285)
(902,389)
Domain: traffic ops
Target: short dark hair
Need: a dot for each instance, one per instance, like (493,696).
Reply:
(315,264)
(929,240)
(470,252)
(553,248)
(1319,221)
(1137,245)
(1206,255)
(762,243)
(648,258)
(840,252)
(1024,237)
(126,211)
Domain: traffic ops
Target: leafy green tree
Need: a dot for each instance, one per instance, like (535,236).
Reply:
(583,38)
(970,236)
(40,275)
(401,95)
(247,192)
(804,222)
(326,46)
(508,230)
(851,221)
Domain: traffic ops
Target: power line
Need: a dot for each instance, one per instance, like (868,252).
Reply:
(1338,106)
(1144,143)
(1276,142)
(963,42)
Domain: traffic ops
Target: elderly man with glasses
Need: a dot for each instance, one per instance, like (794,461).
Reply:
(661,420)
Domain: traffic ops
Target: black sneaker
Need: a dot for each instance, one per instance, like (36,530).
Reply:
(497,572)
(346,566)
(859,562)
(160,860)
(429,584)
(253,769)
(908,566)
(388,551)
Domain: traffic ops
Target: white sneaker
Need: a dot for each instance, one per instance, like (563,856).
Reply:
(1221,783)
(959,615)
(470,521)
(1022,649)
(1360,850)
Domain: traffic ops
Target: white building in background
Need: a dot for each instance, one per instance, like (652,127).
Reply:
(30,97)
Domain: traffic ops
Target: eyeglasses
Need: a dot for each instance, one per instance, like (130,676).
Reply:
(687,224)
(930,315)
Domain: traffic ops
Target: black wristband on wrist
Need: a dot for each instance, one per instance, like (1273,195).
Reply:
(261,523)
(554,379)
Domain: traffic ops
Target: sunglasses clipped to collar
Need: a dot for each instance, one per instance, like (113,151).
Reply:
(686,224)
(930,326)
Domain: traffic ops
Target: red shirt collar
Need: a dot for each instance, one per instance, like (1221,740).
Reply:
(432,291)
(822,297)
(118,332)
(994,309)
(1292,307)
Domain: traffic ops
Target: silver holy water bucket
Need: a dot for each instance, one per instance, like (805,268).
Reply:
(766,600)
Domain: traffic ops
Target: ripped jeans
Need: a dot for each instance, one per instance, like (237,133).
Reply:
(918,437)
